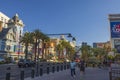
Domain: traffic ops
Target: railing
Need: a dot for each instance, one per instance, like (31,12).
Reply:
(114,74)
(39,70)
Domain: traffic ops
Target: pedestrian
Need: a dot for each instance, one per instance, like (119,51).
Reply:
(72,67)
(82,66)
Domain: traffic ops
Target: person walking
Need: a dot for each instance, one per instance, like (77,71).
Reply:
(72,67)
(82,66)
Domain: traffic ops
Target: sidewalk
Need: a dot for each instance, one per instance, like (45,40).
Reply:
(91,74)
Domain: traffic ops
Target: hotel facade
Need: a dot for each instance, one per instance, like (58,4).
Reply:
(114,23)
(11,29)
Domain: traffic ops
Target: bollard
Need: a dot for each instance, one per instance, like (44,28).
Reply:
(22,75)
(57,68)
(110,75)
(41,71)
(8,74)
(64,67)
(37,66)
(32,73)
(53,69)
(68,67)
(61,67)
(47,70)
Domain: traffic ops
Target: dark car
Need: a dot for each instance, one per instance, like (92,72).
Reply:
(26,63)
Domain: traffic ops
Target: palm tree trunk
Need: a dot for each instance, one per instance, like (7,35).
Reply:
(35,49)
(43,46)
(38,51)
(26,51)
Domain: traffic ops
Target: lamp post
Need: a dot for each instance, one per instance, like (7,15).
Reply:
(37,62)
(69,35)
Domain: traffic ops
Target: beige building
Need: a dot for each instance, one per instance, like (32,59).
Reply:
(102,45)
(3,21)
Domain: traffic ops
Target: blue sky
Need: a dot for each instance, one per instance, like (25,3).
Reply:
(87,20)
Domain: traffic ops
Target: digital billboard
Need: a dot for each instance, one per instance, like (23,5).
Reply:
(117,45)
(115,29)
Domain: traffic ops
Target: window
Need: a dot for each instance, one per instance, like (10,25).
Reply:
(1,18)
(2,47)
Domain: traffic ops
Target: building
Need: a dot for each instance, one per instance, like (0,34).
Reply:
(84,44)
(114,20)
(3,20)
(11,31)
(102,45)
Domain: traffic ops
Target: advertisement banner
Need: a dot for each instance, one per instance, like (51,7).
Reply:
(115,29)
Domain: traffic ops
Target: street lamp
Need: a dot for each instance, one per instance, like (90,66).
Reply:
(69,35)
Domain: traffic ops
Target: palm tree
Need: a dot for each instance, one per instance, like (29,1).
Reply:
(114,50)
(100,53)
(37,35)
(45,40)
(69,49)
(26,40)
(86,50)
(59,48)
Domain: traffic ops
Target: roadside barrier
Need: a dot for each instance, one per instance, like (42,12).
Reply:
(32,73)
(57,68)
(41,71)
(48,70)
(53,69)
(64,66)
(8,73)
(22,74)
(61,67)
(43,68)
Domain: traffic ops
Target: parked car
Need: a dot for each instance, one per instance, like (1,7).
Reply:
(2,60)
(26,63)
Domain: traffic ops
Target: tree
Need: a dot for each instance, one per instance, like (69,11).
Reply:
(27,40)
(45,40)
(100,53)
(86,50)
(69,49)
(37,35)
(114,50)
(59,49)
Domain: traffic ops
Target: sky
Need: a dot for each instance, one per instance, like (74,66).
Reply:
(86,20)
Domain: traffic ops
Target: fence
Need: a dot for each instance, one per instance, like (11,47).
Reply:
(39,70)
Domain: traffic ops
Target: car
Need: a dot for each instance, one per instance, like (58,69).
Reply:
(26,63)
(2,60)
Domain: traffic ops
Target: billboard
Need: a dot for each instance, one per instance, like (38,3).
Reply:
(115,29)
(118,48)
(117,45)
